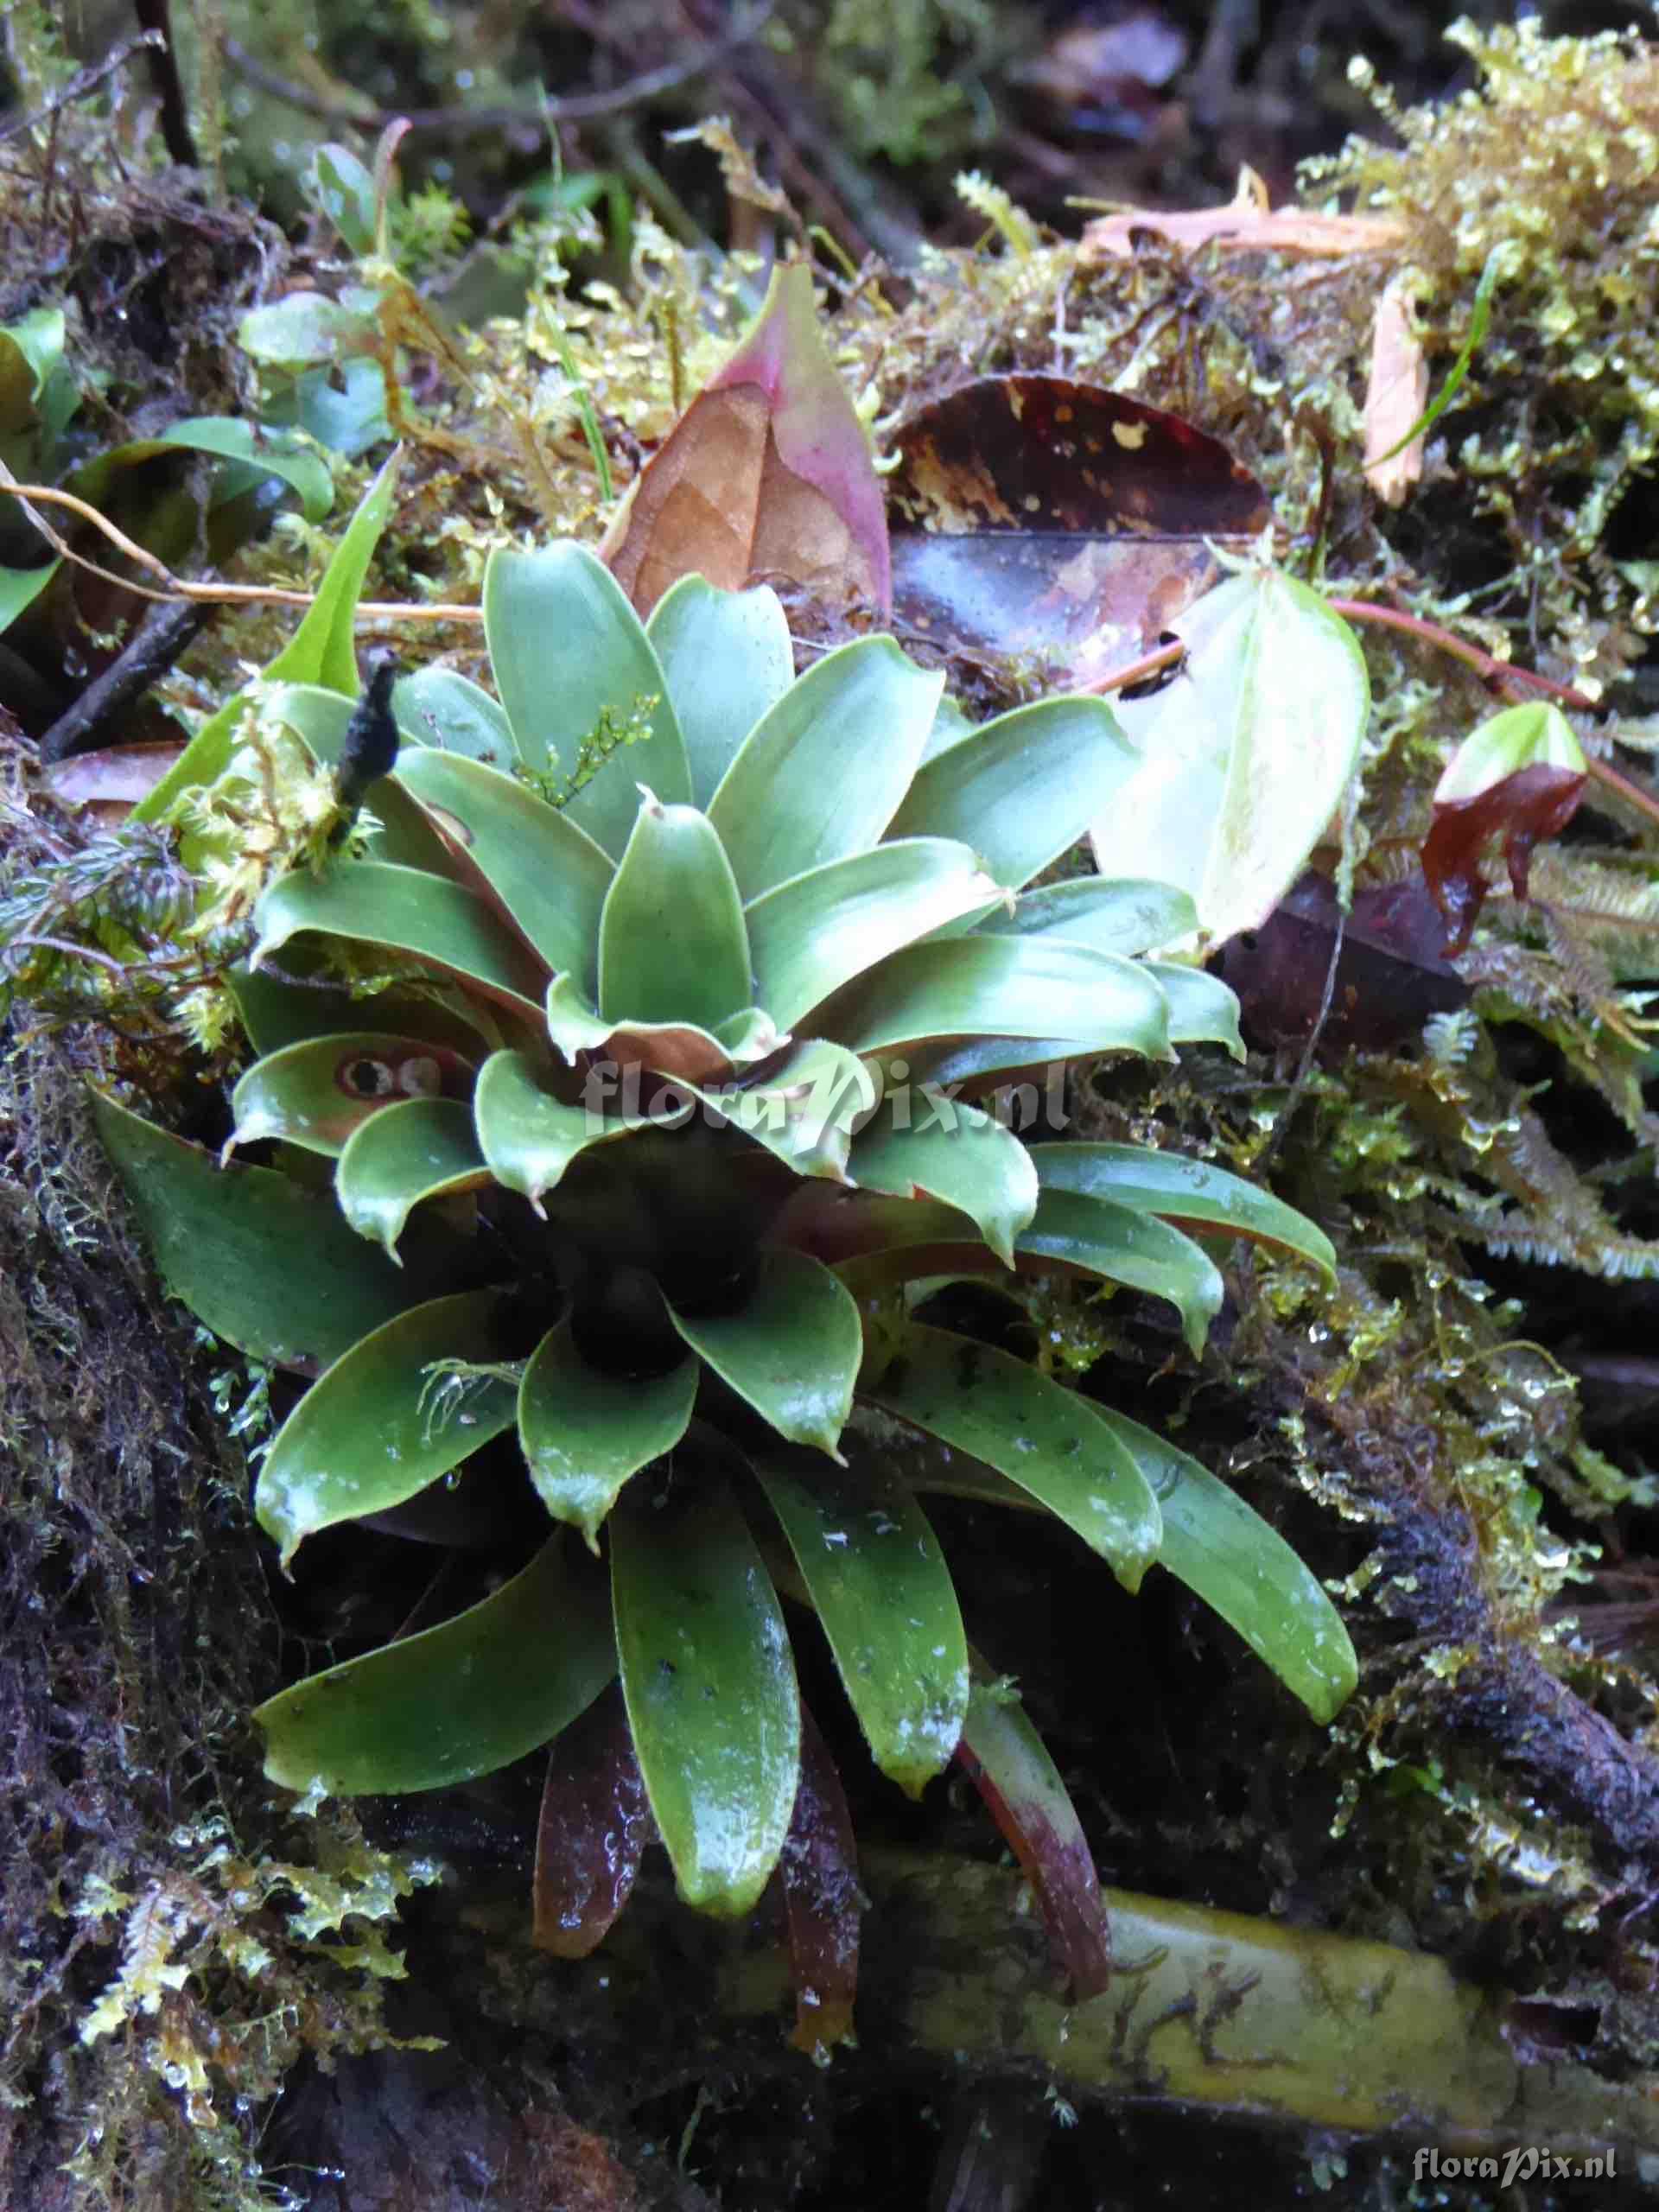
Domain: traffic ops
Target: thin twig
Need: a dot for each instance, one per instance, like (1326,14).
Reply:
(1487,666)
(576,107)
(84,81)
(1505,677)
(148,654)
(1624,787)
(1140,672)
(178,589)
(1305,1067)
(812,161)
(72,951)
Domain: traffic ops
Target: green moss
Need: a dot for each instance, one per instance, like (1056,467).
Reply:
(1550,162)
(169,1947)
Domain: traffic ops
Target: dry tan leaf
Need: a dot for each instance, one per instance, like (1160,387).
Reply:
(1396,393)
(1247,225)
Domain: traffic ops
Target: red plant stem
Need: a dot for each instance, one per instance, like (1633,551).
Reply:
(1502,674)
(1631,791)
(1137,671)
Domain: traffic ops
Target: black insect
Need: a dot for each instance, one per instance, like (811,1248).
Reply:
(1149,686)
(370,748)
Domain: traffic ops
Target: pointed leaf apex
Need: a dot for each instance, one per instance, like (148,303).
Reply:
(818,435)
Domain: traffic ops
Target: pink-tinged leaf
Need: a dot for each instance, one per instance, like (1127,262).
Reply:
(822,1903)
(594,1825)
(1533,803)
(1007,1761)
(766,475)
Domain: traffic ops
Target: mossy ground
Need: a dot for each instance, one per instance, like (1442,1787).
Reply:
(1492,1795)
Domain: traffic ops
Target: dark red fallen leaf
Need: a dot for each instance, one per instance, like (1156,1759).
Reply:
(1391,972)
(822,1903)
(594,1825)
(1032,514)
(1534,802)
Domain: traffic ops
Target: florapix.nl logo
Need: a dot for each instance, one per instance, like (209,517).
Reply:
(1524,2161)
(822,1097)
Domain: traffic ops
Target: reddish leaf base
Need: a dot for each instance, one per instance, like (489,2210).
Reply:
(595,1824)
(822,1903)
(1534,802)
(1056,1861)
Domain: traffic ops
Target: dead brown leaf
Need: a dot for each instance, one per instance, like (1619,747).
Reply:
(109,784)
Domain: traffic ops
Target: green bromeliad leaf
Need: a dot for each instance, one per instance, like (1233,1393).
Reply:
(805,1109)
(955,1153)
(316,1093)
(791,801)
(791,1349)
(1021,789)
(1125,1245)
(321,651)
(1243,1567)
(1004,987)
(887,1241)
(417,1149)
(728,660)
(711,1689)
(529,1137)
(383,1422)
(568,653)
(547,876)
(585,1433)
(436,707)
(817,932)
(969,1060)
(1124,915)
(672,1048)
(274,1272)
(404,910)
(273,452)
(1044,1439)
(455,1702)
(673,945)
(879,1582)
(1203,1010)
(1179,1189)
(1224,1552)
